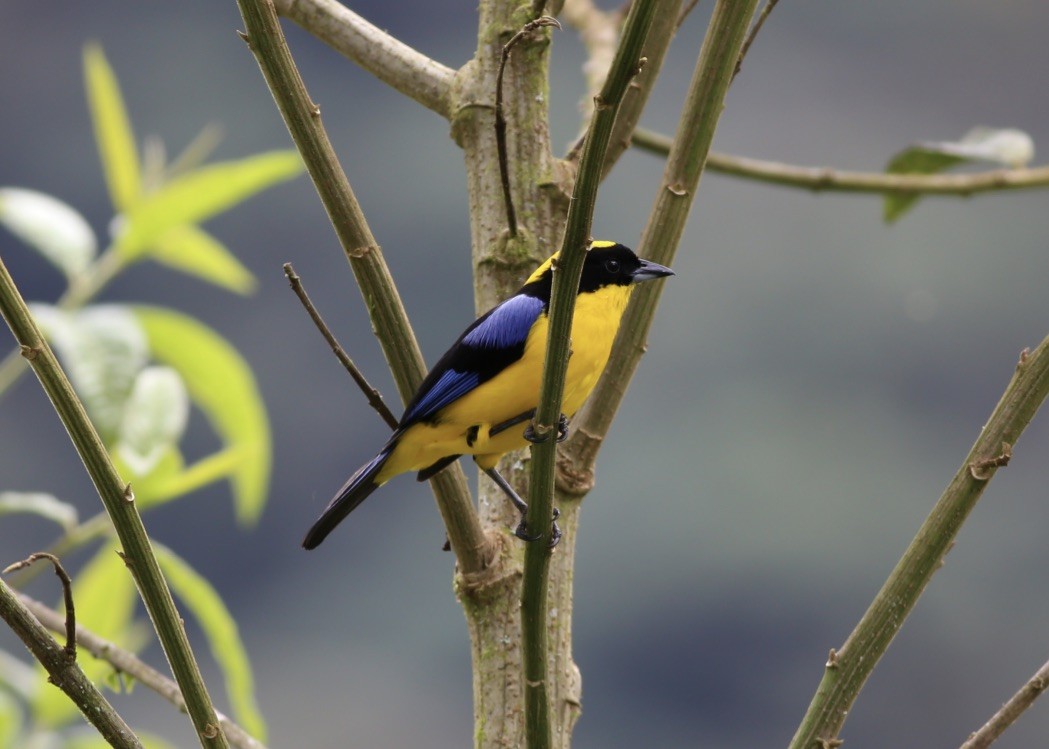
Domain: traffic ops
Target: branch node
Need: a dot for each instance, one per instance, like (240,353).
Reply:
(832,659)
(210,731)
(129,494)
(982,470)
(29,352)
(831,743)
(1022,362)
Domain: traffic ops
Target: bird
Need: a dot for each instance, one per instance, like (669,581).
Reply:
(481,395)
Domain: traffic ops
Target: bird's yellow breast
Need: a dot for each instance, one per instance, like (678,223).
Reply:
(463,426)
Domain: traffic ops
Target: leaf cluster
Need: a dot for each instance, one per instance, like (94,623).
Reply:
(139,370)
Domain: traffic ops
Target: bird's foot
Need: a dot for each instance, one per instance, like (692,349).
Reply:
(562,432)
(555,532)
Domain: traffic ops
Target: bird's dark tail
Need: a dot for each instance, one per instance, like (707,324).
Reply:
(352,493)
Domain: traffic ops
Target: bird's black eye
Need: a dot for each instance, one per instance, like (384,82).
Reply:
(612,266)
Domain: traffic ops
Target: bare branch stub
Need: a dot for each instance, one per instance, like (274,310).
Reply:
(67,594)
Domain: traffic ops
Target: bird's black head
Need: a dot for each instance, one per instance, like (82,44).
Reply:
(609,263)
(606,264)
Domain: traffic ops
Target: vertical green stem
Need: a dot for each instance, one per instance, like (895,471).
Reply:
(566,283)
(119,502)
(847,669)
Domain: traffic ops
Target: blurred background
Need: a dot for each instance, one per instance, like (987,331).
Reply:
(813,379)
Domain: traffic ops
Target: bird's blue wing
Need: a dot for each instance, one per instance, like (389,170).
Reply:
(493,342)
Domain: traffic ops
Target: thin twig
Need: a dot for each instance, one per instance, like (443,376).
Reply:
(128,663)
(1010,711)
(387,58)
(826,179)
(119,503)
(67,594)
(853,663)
(63,671)
(500,119)
(374,397)
(769,5)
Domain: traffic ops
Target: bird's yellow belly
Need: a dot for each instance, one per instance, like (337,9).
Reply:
(463,427)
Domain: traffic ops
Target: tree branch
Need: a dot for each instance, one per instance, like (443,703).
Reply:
(374,397)
(119,501)
(302,117)
(129,663)
(1010,711)
(666,224)
(391,61)
(562,303)
(848,669)
(825,179)
(63,671)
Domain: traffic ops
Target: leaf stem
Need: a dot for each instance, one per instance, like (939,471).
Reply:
(847,669)
(119,502)
(562,303)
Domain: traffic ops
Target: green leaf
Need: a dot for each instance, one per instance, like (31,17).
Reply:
(1006,146)
(155,417)
(192,250)
(221,384)
(38,503)
(49,226)
(20,678)
(220,629)
(104,593)
(103,348)
(10,721)
(171,480)
(113,134)
(200,194)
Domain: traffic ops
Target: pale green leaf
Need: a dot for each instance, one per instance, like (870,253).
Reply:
(155,417)
(20,677)
(38,503)
(171,480)
(1005,146)
(192,250)
(105,595)
(51,227)
(113,134)
(220,629)
(221,384)
(10,721)
(103,349)
(200,194)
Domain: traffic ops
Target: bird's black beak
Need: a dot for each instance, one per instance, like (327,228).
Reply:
(650,271)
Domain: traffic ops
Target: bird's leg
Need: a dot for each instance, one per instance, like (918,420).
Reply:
(522,507)
(502,426)
(562,431)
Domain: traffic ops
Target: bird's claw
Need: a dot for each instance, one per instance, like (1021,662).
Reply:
(562,431)
(555,532)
